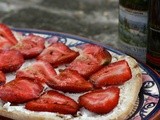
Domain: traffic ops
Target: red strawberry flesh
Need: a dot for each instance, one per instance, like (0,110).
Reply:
(30,46)
(57,54)
(2,78)
(70,81)
(40,71)
(53,101)
(91,59)
(20,91)
(6,32)
(114,74)
(100,101)
(10,60)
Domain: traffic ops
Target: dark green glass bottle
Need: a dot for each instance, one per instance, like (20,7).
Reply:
(153,43)
(133,27)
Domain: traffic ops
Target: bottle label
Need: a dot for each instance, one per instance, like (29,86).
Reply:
(136,52)
(133,31)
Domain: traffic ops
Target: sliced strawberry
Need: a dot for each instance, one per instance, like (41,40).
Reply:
(10,60)
(39,70)
(113,74)
(90,60)
(20,91)
(5,44)
(57,54)
(6,32)
(70,81)
(53,101)
(84,66)
(2,78)
(31,46)
(101,55)
(100,101)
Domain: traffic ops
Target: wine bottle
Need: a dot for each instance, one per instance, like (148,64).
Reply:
(133,27)
(153,43)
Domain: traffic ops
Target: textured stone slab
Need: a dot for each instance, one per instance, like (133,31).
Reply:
(94,19)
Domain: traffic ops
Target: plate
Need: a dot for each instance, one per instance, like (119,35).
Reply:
(149,96)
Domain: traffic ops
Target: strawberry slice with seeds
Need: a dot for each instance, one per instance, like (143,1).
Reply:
(53,101)
(91,59)
(5,44)
(70,81)
(39,70)
(101,55)
(2,78)
(20,90)
(10,60)
(57,54)
(114,74)
(6,32)
(30,46)
(100,101)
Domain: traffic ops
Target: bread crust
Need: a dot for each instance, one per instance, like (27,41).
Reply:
(129,94)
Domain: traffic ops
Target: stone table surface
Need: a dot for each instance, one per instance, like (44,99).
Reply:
(93,19)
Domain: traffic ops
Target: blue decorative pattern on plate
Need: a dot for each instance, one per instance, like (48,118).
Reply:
(149,96)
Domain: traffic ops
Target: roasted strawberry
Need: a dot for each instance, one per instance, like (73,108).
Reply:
(101,55)
(2,78)
(58,54)
(100,101)
(70,81)
(31,46)
(90,60)
(114,74)
(53,101)
(6,32)
(20,90)
(10,60)
(5,44)
(39,70)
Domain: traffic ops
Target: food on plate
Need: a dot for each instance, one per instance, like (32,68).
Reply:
(100,101)
(70,81)
(4,43)
(20,90)
(6,33)
(2,78)
(40,71)
(113,74)
(85,82)
(53,101)
(30,46)
(10,60)
(57,54)
(92,58)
